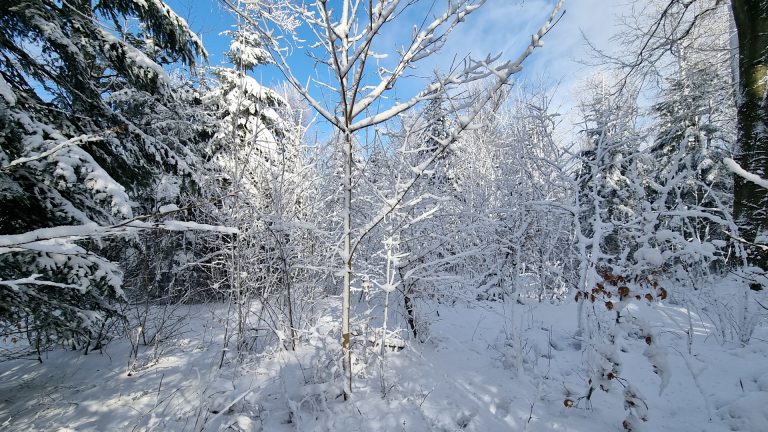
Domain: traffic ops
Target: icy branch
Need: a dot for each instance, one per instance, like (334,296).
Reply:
(35,280)
(28,240)
(506,73)
(735,168)
(82,139)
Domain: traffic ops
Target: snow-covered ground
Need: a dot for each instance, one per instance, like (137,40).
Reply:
(474,371)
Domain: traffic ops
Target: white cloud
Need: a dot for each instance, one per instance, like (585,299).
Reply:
(506,26)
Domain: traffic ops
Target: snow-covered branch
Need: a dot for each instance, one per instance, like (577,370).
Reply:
(13,242)
(76,141)
(504,73)
(735,168)
(35,280)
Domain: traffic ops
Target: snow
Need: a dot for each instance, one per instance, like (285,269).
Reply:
(735,168)
(247,53)
(35,280)
(497,346)
(70,160)
(141,65)
(168,208)
(746,413)
(649,255)
(56,239)
(167,189)
(465,376)
(6,92)
(175,225)
(73,231)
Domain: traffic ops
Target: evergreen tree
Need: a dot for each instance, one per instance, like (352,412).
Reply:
(71,155)
(688,191)
(607,194)
(255,153)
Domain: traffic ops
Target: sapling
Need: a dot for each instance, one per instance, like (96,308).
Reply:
(342,39)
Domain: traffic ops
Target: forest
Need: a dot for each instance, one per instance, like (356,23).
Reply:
(341,220)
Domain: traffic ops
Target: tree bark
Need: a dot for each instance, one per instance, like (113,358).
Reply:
(410,317)
(750,203)
(347,257)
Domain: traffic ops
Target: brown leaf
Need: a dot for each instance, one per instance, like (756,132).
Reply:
(662,293)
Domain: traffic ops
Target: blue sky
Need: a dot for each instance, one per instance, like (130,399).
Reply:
(499,26)
(207,18)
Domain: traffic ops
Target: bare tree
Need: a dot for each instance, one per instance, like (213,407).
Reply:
(342,40)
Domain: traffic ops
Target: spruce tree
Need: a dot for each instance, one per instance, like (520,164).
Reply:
(72,157)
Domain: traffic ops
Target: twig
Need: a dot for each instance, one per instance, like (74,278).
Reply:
(425,397)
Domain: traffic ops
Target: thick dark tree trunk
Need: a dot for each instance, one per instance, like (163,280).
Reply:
(750,204)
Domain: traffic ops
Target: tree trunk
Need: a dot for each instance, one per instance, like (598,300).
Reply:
(410,317)
(347,257)
(750,203)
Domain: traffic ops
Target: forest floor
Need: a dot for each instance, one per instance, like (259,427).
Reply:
(472,371)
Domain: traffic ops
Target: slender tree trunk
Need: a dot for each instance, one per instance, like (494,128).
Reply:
(750,204)
(347,257)
(410,316)
(289,303)
(408,303)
